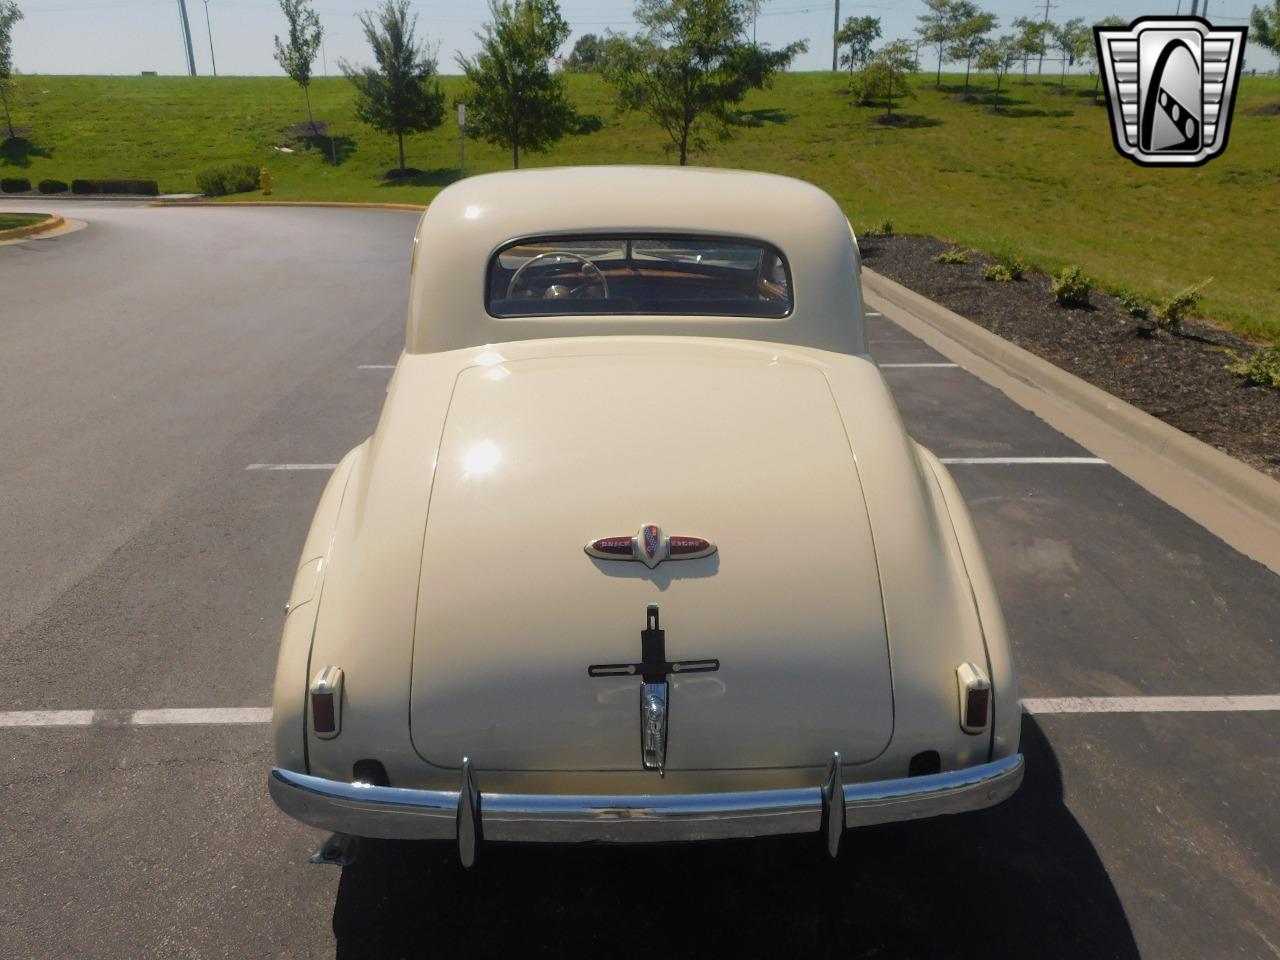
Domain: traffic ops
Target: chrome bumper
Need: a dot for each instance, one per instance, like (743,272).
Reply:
(466,815)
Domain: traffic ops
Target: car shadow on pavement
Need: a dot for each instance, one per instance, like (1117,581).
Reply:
(1019,880)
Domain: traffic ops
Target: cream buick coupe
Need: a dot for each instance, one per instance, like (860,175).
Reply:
(640,549)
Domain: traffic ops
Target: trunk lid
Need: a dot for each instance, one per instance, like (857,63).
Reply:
(537,458)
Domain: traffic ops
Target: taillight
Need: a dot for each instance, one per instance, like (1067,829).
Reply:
(326,703)
(975,698)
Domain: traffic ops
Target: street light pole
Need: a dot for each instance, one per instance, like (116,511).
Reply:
(209,27)
(186,36)
(835,30)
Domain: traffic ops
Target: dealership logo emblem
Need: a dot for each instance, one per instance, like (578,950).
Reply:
(650,547)
(1171,84)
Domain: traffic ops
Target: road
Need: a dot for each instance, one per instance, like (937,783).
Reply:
(149,358)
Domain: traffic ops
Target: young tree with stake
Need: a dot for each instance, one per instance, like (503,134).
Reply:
(1031,34)
(858,34)
(936,28)
(1073,40)
(999,56)
(969,34)
(887,72)
(9,15)
(513,99)
(691,68)
(298,54)
(401,93)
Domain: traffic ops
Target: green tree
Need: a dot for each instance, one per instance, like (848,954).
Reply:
(586,54)
(1031,40)
(513,99)
(401,93)
(1265,24)
(1073,40)
(886,74)
(299,53)
(858,34)
(969,34)
(691,68)
(936,28)
(1112,21)
(9,15)
(999,56)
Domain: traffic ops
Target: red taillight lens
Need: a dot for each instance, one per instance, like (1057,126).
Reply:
(975,698)
(326,703)
(976,707)
(323,717)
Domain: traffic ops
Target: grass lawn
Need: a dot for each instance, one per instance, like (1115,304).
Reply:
(1040,179)
(9,221)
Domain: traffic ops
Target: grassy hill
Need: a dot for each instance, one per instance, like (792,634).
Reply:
(1040,179)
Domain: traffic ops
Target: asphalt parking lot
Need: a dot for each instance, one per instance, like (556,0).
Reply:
(149,359)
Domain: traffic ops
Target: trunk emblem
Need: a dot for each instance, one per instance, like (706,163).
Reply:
(653,669)
(650,547)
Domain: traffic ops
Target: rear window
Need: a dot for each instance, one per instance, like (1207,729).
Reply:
(675,275)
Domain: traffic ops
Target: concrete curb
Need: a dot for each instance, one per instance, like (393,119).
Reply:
(52,222)
(413,207)
(1138,444)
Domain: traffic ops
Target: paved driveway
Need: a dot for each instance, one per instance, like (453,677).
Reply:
(148,359)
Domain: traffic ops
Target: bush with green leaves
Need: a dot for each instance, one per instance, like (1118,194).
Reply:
(53,186)
(953,255)
(1070,287)
(1006,269)
(15,184)
(1261,367)
(232,178)
(1133,305)
(1170,314)
(882,229)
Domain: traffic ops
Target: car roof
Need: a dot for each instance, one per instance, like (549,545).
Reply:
(469,221)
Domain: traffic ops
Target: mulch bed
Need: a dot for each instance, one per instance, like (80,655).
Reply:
(1180,378)
(304,130)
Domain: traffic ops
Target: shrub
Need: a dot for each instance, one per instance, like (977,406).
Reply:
(1133,305)
(53,186)
(1070,287)
(231,178)
(1261,367)
(1171,313)
(954,255)
(15,185)
(882,229)
(141,187)
(1006,269)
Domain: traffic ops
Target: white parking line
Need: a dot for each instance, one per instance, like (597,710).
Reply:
(884,365)
(376,366)
(210,716)
(1238,704)
(1025,460)
(292,466)
(217,716)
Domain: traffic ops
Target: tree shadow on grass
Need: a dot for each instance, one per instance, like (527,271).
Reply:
(585,123)
(437,177)
(18,151)
(335,149)
(900,890)
(904,121)
(1020,113)
(759,117)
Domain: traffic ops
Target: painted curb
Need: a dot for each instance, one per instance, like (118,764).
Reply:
(1247,489)
(412,207)
(52,222)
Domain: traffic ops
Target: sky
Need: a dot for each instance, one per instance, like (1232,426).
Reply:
(129,36)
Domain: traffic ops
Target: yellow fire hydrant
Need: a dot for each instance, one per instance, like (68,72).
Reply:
(264,181)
